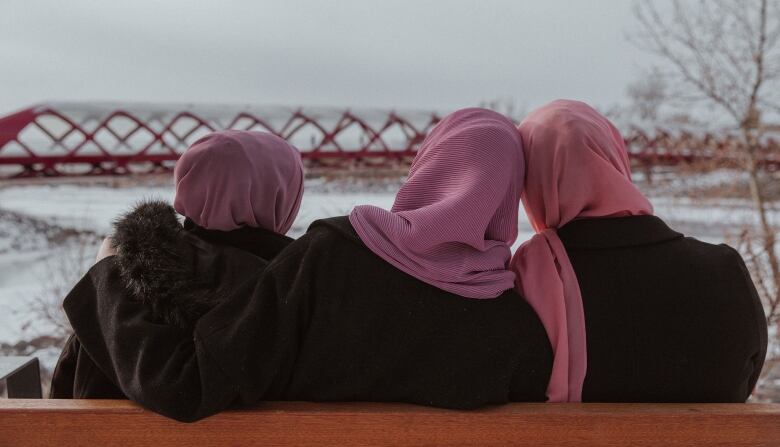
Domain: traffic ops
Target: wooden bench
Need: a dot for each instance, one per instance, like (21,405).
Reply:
(122,423)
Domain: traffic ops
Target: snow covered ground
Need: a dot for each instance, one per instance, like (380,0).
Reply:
(49,233)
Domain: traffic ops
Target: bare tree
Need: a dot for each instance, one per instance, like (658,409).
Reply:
(648,94)
(725,55)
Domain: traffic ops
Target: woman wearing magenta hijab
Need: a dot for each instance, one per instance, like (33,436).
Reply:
(635,311)
(239,193)
(414,304)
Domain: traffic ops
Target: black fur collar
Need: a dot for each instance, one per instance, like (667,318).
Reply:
(165,267)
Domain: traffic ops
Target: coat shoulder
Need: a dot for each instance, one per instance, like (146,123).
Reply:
(719,256)
(333,228)
(325,238)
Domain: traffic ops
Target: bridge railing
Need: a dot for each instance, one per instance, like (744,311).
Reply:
(103,139)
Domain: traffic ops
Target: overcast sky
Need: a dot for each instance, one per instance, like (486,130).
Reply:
(406,54)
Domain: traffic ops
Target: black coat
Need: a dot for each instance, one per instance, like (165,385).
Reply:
(326,320)
(171,269)
(668,318)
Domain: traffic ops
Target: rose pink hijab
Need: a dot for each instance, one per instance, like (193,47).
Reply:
(576,166)
(232,179)
(455,217)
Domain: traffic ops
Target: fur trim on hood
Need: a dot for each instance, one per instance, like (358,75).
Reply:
(158,264)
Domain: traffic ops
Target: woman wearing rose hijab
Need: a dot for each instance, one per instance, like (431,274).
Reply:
(635,311)
(414,304)
(239,193)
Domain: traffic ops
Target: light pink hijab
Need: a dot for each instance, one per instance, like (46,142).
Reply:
(232,178)
(577,166)
(455,217)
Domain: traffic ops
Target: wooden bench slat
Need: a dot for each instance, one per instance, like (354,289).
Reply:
(99,422)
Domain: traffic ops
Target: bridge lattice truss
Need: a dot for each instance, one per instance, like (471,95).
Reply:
(77,139)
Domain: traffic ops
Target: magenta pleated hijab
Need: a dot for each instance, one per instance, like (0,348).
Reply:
(232,179)
(455,217)
(576,166)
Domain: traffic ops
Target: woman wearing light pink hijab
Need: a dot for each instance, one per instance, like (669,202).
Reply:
(634,311)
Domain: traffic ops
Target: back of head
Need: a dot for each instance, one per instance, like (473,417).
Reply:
(231,179)
(469,169)
(455,218)
(576,166)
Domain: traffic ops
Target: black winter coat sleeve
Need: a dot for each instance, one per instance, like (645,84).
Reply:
(239,352)
(327,320)
(168,369)
(76,376)
(255,336)
(742,283)
(163,368)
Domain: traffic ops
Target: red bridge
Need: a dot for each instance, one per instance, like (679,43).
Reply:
(92,139)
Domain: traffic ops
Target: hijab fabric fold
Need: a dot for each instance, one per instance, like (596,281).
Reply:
(232,179)
(455,218)
(576,167)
